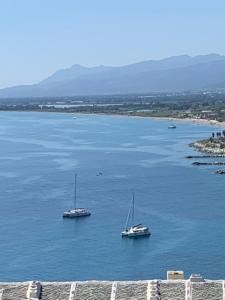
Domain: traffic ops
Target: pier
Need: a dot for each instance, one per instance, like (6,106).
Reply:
(220,172)
(215,163)
(205,156)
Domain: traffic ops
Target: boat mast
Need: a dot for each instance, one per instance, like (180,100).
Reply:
(130,213)
(133,209)
(75,192)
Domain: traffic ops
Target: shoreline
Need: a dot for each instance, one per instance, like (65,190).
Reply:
(175,119)
(192,120)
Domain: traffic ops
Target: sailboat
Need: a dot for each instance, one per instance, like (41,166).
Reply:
(134,230)
(76,212)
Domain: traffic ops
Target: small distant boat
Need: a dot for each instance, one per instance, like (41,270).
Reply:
(76,212)
(172,126)
(99,174)
(135,230)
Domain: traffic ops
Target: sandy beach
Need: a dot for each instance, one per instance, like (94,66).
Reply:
(192,120)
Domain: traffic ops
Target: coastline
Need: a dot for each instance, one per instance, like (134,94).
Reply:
(192,120)
(175,119)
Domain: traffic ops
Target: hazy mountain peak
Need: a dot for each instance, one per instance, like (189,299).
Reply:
(210,55)
(73,72)
(75,66)
(176,73)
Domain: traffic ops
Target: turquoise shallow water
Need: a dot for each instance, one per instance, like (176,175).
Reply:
(183,205)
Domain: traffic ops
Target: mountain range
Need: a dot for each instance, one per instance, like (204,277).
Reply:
(173,74)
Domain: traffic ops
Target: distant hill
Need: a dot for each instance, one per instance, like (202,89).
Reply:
(74,72)
(173,74)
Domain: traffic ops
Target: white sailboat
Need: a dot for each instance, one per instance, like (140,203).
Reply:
(76,212)
(134,230)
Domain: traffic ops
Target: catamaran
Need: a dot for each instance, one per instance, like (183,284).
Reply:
(134,230)
(76,212)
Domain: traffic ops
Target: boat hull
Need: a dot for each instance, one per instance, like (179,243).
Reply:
(70,216)
(76,213)
(135,234)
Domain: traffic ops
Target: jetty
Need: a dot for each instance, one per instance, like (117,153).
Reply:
(215,163)
(173,289)
(205,156)
(221,172)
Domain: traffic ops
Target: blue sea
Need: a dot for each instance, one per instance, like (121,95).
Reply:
(183,205)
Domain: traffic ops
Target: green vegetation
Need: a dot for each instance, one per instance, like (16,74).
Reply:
(204,105)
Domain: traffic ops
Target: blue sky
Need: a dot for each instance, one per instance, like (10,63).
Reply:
(38,37)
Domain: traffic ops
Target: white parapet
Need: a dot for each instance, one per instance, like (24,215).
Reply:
(223,284)
(188,290)
(175,275)
(1,293)
(113,291)
(73,291)
(196,278)
(34,290)
(153,290)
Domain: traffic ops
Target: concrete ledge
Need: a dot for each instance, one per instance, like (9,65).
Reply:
(117,290)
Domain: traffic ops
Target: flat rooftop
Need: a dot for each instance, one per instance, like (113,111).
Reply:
(117,290)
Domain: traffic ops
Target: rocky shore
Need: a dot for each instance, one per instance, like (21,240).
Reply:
(214,145)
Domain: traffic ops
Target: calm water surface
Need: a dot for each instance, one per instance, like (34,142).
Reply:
(183,205)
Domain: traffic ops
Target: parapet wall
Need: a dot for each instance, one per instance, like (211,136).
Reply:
(118,290)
